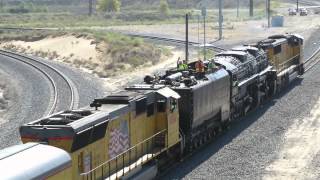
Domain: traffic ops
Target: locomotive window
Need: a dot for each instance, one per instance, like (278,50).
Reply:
(277,49)
(99,131)
(141,106)
(296,42)
(161,105)
(82,139)
(173,104)
(150,110)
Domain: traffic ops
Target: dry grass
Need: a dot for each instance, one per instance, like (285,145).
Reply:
(116,53)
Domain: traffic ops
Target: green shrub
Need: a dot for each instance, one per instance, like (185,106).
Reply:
(109,5)
(164,7)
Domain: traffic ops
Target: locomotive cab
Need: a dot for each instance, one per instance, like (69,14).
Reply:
(285,53)
(134,125)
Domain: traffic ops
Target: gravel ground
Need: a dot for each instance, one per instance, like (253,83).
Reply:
(255,141)
(312,44)
(33,95)
(88,86)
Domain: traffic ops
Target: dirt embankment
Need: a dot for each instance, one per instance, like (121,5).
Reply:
(5,95)
(111,55)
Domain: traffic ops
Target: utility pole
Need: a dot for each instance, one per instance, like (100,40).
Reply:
(268,11)
(1,5)
(238,6)
(204,14)
(204,38)
(220,19)
(198,36)
(187,37)
(297,5)
(251,8)
(90,7)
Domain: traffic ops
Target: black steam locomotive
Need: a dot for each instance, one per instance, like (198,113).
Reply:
(242,79)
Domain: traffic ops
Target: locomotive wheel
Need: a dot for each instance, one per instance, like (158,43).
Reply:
(227,126)
(190,148)
(201,141)
(301,70)
(209,135)
(213,133)
(196,144)
(204,138)
(220,129)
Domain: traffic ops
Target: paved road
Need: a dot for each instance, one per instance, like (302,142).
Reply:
(33,95)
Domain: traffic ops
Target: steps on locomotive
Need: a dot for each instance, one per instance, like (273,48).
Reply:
(160,141)
(131,170)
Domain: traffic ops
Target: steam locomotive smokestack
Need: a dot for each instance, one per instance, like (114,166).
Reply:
(187,37)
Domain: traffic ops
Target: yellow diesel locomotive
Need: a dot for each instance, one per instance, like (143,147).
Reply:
(122,131)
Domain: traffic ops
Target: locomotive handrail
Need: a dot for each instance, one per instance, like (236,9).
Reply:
(291,59)
(86,174)
(282,65)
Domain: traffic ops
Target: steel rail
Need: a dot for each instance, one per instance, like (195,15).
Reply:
(55,91)
(69,83)
(313,60)
(307,3)
(178,41)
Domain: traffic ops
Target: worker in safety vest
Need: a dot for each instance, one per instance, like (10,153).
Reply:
(182,65)
(179,62)
(211,66)
(199,66)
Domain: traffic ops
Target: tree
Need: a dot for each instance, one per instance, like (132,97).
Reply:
(109,5)
(164,7)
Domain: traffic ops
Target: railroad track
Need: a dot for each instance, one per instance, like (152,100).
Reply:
(56,79)
(171,40)
(313,60)
(308,3)
(177,41)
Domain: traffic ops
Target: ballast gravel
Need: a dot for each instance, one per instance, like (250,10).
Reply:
(32,95)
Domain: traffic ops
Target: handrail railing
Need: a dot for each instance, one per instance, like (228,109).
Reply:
(127,163)
(283,64)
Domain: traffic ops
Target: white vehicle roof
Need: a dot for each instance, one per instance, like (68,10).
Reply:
(32,161)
